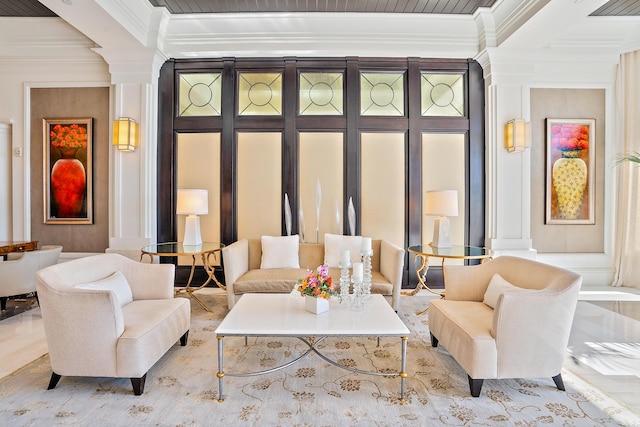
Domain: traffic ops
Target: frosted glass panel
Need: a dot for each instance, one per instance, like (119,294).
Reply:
(199,167)
(260,94)
(382,94)
(199,94)
(442,94)
(321,94)
(321,161)
(443,168)
(383,189)
(259,184)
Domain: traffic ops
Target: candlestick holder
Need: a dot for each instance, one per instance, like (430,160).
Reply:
(345,283)
(366,275)
(357,303)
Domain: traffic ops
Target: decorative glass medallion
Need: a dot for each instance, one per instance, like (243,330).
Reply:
(321,94)
(260,94)
(442,95)
(382,94)
(199,94)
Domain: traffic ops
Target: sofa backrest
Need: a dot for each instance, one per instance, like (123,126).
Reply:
(310,255)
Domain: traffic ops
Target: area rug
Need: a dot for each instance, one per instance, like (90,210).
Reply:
(182,388)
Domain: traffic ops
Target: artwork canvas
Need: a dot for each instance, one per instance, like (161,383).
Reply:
(570,177)
(67,171)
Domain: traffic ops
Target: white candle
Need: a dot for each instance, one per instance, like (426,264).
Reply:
(365,248)
(357,271)
(346,257)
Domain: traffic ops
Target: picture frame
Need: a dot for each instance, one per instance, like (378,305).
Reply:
(68,175)
(570,171)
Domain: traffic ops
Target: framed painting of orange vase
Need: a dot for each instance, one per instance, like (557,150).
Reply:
(67,171)
(570,177)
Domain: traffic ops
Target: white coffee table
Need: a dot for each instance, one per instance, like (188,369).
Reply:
(283,315)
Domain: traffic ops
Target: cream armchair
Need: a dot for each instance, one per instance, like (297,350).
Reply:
(109,316)
(18,272)
(506,318)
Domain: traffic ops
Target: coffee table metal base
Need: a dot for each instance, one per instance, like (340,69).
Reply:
(312,343)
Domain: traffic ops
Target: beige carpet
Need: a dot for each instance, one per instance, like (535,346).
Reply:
(182,388)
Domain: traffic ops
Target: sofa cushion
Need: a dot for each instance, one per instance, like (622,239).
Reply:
(498,286)
(273,280)
(116,283)
(280,252)
(334,244)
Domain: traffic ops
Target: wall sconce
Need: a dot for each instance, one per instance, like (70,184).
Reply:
(125,134)
(192,203)
(517,135)
(442,203)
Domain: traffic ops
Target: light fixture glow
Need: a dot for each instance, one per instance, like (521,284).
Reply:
(125,134)
(517,135)
(443,204)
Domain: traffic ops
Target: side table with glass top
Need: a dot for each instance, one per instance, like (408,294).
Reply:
(207,251)
(426,251)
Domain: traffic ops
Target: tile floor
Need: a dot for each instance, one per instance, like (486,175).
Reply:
(604,347)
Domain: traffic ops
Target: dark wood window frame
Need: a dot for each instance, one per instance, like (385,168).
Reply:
(228,124)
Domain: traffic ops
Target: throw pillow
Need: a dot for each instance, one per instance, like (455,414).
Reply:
(498,286)
(334,244)
(116,283)
(280,252)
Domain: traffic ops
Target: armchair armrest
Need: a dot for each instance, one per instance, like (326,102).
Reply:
(391,267)
(235,260)
(465,282)
(149,281)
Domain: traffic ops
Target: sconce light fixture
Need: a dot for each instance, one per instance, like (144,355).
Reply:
(442,203)
(192,203)
(517,135)
(125,134)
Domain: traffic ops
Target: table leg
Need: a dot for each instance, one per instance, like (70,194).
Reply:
(189,290)
(220,373)
(421,272)
(403,367)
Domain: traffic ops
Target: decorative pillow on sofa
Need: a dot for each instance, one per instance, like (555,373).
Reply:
(498,286)
(280,252)
(334,244)
(116,283)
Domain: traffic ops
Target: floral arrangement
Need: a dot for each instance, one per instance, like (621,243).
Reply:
(317,283)
(68,136)
(569,137)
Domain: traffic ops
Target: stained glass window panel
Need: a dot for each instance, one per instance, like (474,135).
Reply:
(442,95)
(199,94)
(382,94)
(260,94)
(321,94)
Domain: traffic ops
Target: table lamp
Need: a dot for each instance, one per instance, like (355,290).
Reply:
(192,203)
(442,204)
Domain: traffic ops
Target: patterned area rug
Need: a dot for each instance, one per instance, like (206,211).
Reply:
(182,388)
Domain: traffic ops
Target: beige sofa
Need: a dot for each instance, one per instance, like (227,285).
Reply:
(243,274)
(109,316)
(513,325)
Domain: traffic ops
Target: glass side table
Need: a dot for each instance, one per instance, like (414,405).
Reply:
(426,251)
(207,251)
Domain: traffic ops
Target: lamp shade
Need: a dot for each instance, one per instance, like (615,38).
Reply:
(441,203)
(192,202)
(125,134)
(517,135)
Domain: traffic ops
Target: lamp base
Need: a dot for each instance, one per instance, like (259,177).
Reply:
(192,231)
(441,233)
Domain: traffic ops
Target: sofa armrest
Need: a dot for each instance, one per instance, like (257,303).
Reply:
(391,267)
(235,260)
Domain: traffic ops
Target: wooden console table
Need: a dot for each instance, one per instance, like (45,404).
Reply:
(6,247)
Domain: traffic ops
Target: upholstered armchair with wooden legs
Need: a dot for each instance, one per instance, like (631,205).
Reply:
(109,316)
(506,318)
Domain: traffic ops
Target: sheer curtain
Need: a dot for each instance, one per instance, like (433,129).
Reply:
(627,242)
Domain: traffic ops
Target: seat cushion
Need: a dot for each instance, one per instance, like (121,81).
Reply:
(151,327)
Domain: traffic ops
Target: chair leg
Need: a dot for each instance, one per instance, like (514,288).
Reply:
(184,339)
(138,385)
(559,383)
(3,303)
(53,382)
(434,340)
(35,294)
(475,385)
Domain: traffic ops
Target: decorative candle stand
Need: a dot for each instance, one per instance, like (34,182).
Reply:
(345,283)
(357,303)
(366,276)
